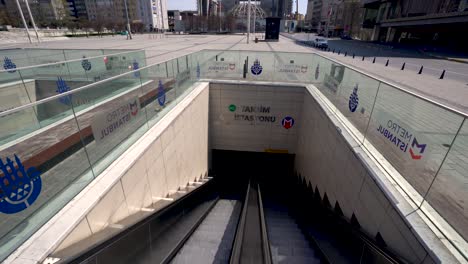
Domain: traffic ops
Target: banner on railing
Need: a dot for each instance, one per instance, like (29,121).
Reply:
(115,121)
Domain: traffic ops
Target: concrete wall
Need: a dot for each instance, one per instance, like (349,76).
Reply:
(256,122)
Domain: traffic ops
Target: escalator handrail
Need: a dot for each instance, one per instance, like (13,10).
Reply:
(265,241)
(237,247)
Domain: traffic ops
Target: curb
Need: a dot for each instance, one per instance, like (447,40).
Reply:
(444,58)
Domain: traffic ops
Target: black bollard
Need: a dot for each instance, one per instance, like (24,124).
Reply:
(339,52)
(403,66)
(386,64)
(353,55)
(363,58)
(420,70)
(442,75)
(333,51)
(346,53)
(373,61)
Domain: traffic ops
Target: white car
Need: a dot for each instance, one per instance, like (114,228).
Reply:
(321,43)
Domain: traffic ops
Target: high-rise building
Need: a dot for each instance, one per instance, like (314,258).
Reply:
(439,22)
(42,10)
(153,14)
(77,8)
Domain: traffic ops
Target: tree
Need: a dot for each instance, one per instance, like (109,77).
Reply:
(99,23)
(138,26)
(72,26)
(84,24)
(114,24)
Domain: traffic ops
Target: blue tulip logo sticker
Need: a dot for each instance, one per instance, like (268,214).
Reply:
(256,68)
(19,186)
(161,94)
(354,100)
(86,64)
(9,65)
(136,66)
(62,87)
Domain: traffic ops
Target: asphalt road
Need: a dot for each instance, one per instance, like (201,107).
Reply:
(412,58)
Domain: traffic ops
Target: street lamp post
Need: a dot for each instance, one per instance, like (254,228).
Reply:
(32,20)
(24,20)
(248,22)
(255,18)
(219,16)
(128,20)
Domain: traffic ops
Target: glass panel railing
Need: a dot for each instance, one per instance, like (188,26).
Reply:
(82,68)
(113,121)
(59,144)
(45,56)
(73,54)
(412,134)
(293,67)
(219,64)
(448,194)
(14,58)
(42,167)
(14,91)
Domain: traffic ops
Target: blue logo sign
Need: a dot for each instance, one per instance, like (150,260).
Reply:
(19,188)
(317,71)
(287,122)
(256,68)
(9,65)
(136,66)
(354,99)
(400,136)
(161,94)
(86,64)
(62,87)
(198,70)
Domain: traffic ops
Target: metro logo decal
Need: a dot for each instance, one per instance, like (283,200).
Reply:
(400,137)
(287,122)
(415,144)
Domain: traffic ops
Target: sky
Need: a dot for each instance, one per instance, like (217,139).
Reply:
(191,5)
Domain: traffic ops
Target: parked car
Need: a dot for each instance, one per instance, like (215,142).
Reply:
(321,43)
(346,37)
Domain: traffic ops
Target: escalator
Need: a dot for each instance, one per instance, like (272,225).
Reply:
(260,219)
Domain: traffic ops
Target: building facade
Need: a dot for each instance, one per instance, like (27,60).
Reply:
(42,11)
(439,22)
(77,9)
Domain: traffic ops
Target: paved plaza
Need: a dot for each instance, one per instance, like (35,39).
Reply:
(451,91)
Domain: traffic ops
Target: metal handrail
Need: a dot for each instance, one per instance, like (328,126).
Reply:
(265,240)
(67,61)
(84,87)
(237,247)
